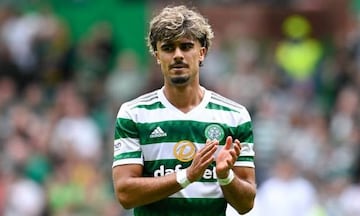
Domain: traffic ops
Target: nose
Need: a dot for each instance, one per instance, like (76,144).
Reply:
(178,54)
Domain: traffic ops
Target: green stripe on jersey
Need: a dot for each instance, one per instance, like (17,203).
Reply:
(150,167)
(178,130)
(215,106)
(164,167)
(136,154)
(125,128)
(182,206)
(246,158)
(156,105)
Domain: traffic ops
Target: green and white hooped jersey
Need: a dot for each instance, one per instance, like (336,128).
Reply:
(150,131)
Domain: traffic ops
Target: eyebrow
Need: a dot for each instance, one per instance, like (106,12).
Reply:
(181,43)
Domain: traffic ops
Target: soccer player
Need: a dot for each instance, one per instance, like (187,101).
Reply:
(183,149)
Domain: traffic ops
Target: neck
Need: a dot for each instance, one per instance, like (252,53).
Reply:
(184,98)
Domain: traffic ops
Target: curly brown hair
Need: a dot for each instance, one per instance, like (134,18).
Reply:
(179,21)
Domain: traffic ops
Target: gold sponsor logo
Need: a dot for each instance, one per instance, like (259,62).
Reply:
(184,150)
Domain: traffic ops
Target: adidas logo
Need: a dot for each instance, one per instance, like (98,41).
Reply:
(158,132)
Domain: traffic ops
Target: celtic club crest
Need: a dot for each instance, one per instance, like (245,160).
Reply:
(214,132)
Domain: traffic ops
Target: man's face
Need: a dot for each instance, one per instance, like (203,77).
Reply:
(179,60)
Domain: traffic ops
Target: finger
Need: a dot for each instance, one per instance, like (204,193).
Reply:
(228,143)
(234,156)
(237,146)
(208,160)
(208,145)
(209,149)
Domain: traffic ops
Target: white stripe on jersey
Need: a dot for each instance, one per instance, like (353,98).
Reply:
(127,145)
(165,150)
(161,151)
(199,190)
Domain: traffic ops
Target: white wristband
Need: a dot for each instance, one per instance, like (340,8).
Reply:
(227,180)
(181,178)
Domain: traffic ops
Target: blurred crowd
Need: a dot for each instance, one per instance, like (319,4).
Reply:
(58,104)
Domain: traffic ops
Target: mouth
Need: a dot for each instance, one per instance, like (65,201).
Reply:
(178,66)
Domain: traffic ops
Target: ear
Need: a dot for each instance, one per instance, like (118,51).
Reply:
(203,51)
(157,57)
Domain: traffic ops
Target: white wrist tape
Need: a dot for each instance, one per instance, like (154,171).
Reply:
(182,179)
(228,179)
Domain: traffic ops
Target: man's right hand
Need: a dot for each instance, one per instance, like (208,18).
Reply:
(202,159)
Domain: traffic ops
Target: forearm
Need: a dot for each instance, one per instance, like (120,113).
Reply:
(136,191)
(240,194)
(239,188)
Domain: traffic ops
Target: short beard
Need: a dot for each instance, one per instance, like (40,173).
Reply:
(179,80)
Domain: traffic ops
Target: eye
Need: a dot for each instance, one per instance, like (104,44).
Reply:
(186,46)
(167,48)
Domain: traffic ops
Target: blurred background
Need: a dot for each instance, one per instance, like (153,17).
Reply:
(66,66)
